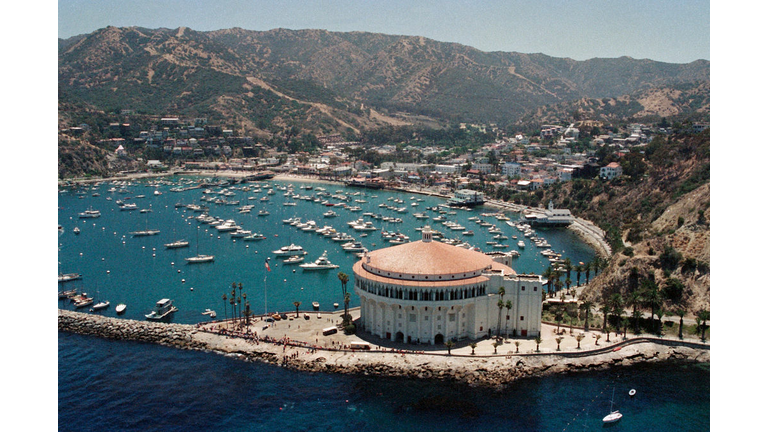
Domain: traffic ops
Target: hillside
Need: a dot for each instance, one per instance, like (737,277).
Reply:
(658,221)
(324,82)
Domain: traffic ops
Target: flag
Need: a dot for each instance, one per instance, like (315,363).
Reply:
(266,264)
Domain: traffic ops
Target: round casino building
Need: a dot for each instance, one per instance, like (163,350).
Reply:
(431,292)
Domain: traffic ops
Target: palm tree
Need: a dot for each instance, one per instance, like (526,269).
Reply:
(449,345)
(347,319)
(651,297)
(297,304)
(579,337)
(559,312)
(538,342)
(597,338)
(224,299)
(247,313)
(548,275)
(500,304)
(587,268)
(344,278)
(558,340)
(579,269)
(473,345)
(586,306)
(568,266)
(680,311)
(605,309)
(507,305)
(635,299)
(517,346)
(703,316)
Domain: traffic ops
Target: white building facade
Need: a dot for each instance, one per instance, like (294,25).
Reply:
(430,292)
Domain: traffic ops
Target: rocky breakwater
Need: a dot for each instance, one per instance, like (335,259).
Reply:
(175,335)
(480,370)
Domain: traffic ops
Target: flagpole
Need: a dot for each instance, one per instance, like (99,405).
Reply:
(266,265)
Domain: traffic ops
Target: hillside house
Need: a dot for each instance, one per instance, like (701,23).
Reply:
(610,171)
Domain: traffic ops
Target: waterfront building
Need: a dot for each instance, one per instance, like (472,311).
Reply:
(431,292)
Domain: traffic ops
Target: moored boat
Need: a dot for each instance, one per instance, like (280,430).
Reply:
(321,263)
(177,244)
(120,308)
(164,309)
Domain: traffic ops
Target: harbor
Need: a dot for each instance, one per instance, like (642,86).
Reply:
(205,242)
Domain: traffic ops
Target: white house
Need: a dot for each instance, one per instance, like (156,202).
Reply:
(610,171)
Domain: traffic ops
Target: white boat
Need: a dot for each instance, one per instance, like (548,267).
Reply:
(614,416)
(76,230)
(330,213)
(82,300)
(199,259)
(101,305)
(240,233)
(263,213)
(342,237)
(315,305)
(353,247)
(163,310)
(521,244)
(145,233)
(127,207)
(295,259)
(89,214)
(120,308)
(321,263)
(293,249)
(211,313)
(69,277)
(177,244)
(254,237)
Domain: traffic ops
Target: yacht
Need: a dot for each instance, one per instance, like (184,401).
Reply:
(89,214)
(199,259)
(240,233)
(290,250)
(163,309)
(295,259)
(254,237)
(342,237)
(177,244)
(145,233)
(365,226)
(321,263)
(521,244)
(330,213)
(69,277)
(353,247)
(263,213)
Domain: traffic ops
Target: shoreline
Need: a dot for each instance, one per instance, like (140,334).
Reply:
(278,344)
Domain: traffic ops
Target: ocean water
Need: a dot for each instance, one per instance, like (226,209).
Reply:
(129,386)
(126,386)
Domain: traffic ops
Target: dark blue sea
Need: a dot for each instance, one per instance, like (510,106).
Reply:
(132,386)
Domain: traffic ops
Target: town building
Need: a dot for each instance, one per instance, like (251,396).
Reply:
(430,292)
(610,171)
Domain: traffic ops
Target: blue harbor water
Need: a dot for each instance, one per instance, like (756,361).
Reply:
(132,386)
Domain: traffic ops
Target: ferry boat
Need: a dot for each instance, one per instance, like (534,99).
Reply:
(466,198)
(290,250)
(551,217)
(164,309)
(321,263)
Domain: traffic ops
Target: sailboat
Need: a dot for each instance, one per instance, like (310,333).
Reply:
(614,416)
(199,258)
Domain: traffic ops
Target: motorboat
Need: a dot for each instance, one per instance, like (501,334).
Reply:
(293,249)
(330,213)
(82,300)
(164,309)
(177,244)
(254,237)
(315,305)
(101,305)
(67,294)
(353,247)
(120,308)
(263,213)
(211,313)
(240,233)
(89,214)
(295,259)
(321,263)
(521,244)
